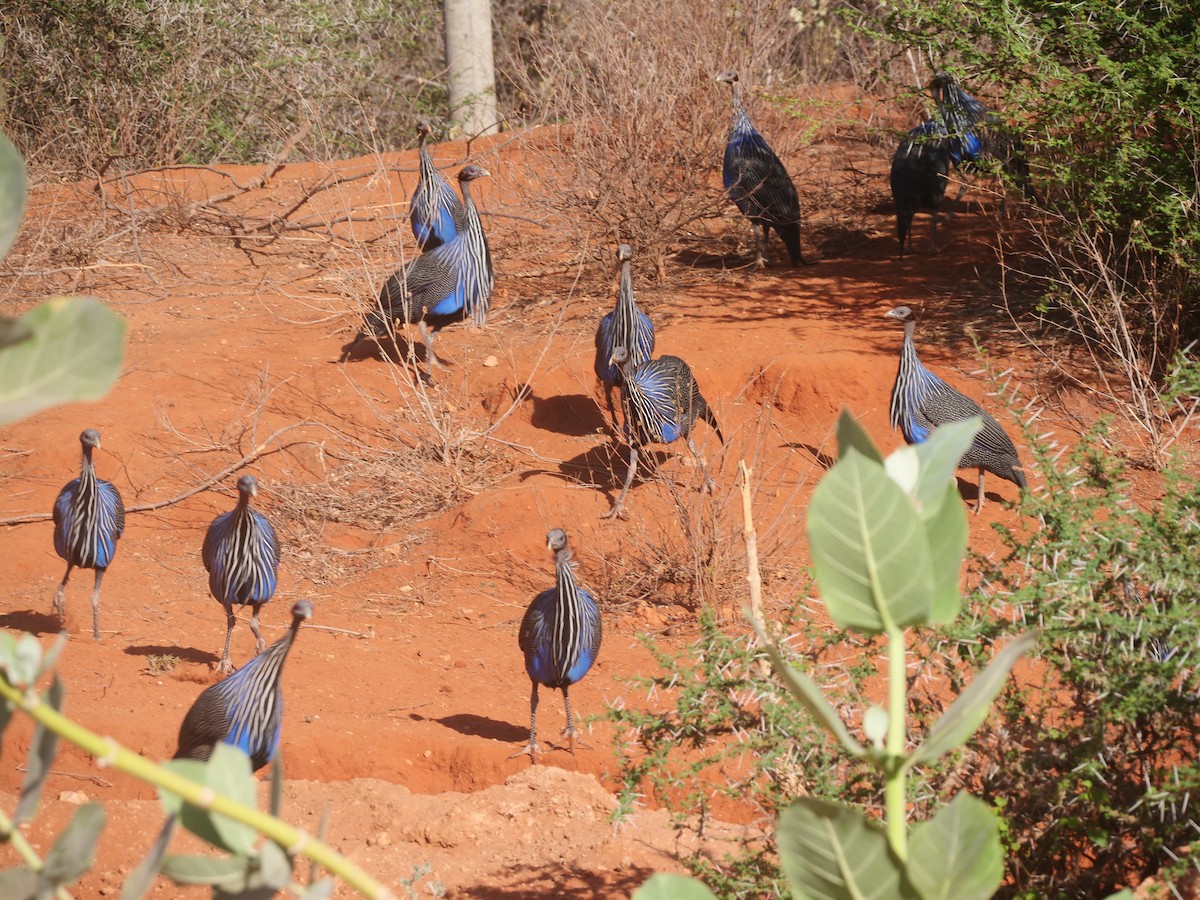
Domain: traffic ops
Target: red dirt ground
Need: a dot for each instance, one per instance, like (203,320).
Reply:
(406,695)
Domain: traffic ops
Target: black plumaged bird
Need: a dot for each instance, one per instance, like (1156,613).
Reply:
(920,169)
(89,517)
(560,637)
(758,183)
(977,135)
(245,709)
(435,211)
(448,284)
(626,326)
(241,554)
(921,402)
(662,402)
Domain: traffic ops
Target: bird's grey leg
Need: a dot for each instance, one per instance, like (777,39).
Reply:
(224,667)
(709,484)
(60,605)
(428,336)
(571,733)
(531,749)
(612,411)
(259,644)
(979,499)
(760,240)
(962,189)
(618,508)
(933,233)
(96,604)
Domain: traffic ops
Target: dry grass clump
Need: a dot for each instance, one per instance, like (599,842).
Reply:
(641,125)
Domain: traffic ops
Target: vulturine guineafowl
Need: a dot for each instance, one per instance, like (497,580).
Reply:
(89,517)
(435,211)
(245,709)
(977,134)
(447,284)
(241,554)
(918,178)
(921,401)
(626,326)
(758,183)
(560,637)
(662,402)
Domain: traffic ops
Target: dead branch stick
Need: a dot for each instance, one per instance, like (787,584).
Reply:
(750,536)
(94,779)
(365,635)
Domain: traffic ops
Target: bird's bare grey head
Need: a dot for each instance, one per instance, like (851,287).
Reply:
(624,253)
(90,438)
(903,313)
(471,172)
(302,610)
(556,540)
(620,356)
(424,128)
(729,76)
(248,486)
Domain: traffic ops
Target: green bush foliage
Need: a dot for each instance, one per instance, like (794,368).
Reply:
(1109,103)
(1093,763)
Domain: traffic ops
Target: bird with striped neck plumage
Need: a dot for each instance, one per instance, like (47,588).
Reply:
(757,182)
(560,638)
(244,710)
(241,554)
(662,403)
(435,211)
(921,401)
(626,326)
(448,284)
(89,517)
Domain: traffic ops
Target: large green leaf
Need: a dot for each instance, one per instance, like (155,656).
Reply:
(12,194)
(968,711)
(850,433)
(229,872)
(832,852)
(939,458)
(75,354)
(228,773)
(75,849)
(956,855)
(41,754)
(809,695)
(870,553)
(662,886)
(947,535)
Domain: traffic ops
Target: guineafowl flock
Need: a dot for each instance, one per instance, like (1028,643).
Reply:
(661,402)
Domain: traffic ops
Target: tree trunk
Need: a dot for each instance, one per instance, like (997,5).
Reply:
(470,69)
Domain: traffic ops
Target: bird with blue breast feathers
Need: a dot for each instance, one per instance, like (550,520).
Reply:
(662,403)
(920,169)
(560,638)
(244,710)
(921,401)
(757,182)
(435,211)
(450,283)
(626,326)
(89,518)
(977,135)
(241,554)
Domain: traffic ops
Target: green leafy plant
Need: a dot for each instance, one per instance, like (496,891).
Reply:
(888,539)
(66,349)
(1094,761)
